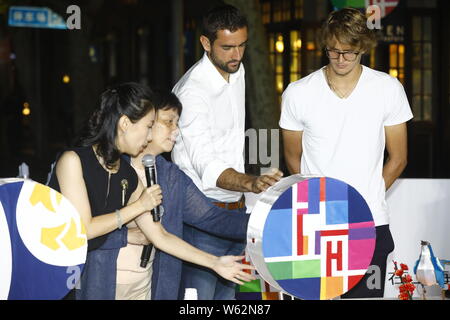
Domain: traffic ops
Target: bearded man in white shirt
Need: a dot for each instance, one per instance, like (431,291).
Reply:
(210,148)
(337,122)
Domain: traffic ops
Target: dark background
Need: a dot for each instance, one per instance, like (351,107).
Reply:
(155,42)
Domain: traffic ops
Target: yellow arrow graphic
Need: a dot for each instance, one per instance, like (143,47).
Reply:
(49,235)
(41,193)
(71,238)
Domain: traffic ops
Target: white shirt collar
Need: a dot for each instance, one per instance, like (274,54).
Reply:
(215,76)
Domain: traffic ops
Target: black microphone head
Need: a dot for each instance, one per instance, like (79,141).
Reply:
(148,160)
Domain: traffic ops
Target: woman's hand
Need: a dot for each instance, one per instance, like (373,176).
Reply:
(228,268)
(151,197)
(137,237)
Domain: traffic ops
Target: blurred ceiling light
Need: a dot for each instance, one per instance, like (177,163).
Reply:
(93,54)
(279,45)
(280,86)
(66,78)
(394,73)
(26,109)
(310,46)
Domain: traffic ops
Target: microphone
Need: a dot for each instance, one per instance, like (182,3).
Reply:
(148,161)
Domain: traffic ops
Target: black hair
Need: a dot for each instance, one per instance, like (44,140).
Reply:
(130,99)
(167,101)
(224,17)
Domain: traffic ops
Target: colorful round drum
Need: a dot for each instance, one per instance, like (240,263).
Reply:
(43,243)
(311,237)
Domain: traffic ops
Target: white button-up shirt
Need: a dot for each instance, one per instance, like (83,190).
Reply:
(212,127)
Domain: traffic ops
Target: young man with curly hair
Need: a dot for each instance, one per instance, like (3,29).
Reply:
(338,121)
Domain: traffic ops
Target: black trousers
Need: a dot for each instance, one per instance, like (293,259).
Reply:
(370,285)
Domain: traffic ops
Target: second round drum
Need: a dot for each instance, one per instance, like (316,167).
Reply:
(311,237)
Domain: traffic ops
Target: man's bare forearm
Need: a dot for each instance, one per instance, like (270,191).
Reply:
(392,170)
(293,164)
(232,180)
(292,149)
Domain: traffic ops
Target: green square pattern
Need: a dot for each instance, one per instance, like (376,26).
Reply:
(251,286)
(280,270)
(306,269)
(286,270)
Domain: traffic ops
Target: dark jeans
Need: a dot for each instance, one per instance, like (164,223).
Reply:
(370,286)
(209,285)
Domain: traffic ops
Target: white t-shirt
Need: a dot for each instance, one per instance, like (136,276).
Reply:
(345,138)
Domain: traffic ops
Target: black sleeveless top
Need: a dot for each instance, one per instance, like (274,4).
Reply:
(101,200)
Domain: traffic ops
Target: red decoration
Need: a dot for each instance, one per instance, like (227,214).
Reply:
(407,287)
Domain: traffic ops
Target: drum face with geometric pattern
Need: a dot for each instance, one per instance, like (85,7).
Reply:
(43,242)
(311,237)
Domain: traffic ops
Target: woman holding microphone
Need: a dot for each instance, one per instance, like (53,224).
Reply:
(107,193)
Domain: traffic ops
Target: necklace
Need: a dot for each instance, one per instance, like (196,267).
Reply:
(108,171)
(102,163)
(339,93)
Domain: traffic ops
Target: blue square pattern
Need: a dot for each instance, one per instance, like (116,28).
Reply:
(284,201)
(358,210)
(307,289)
(335,190)
(314,196)
(277,234)
(337,212)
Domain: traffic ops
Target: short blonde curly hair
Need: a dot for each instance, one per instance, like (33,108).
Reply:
(348,26)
